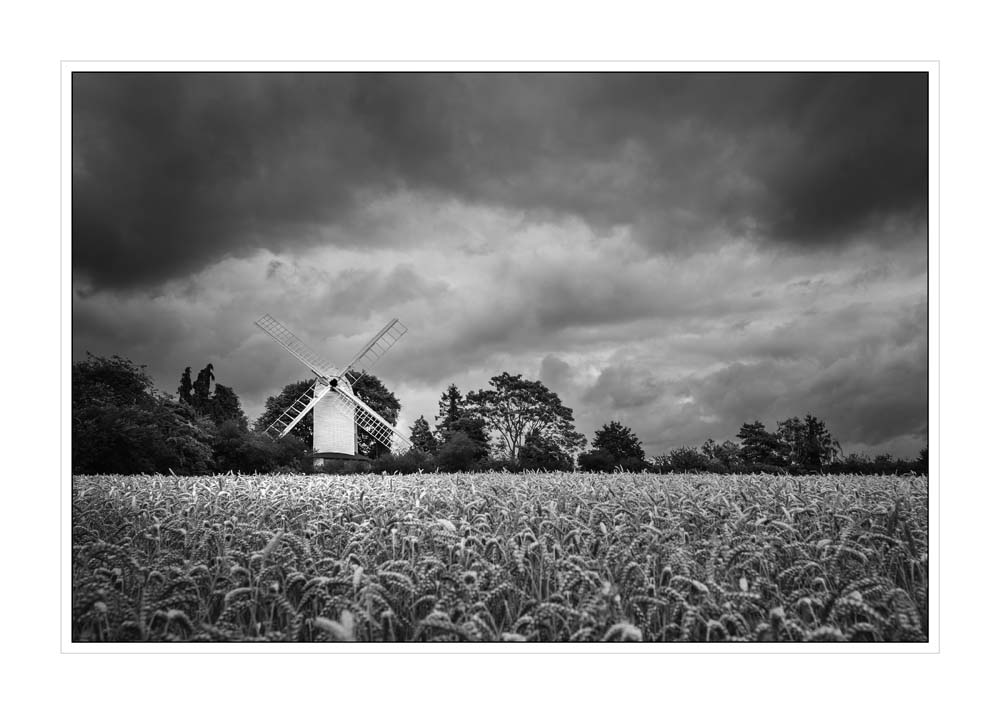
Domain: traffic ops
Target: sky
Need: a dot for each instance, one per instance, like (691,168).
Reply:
(680,252)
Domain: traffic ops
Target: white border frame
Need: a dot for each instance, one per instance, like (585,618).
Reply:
(933,308)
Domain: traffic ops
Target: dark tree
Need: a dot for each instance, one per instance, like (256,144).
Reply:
(806,443)
(619,441)
(451,408)
(111,380)
(422,437)
(235,449)
(541,453)
(275,405)
(122,425)
(202,389)
(459,452)
(225,406)
(759,446)
(686,459)
(456,415)
(184,390)
(514,406)
(725,456)
(596,460)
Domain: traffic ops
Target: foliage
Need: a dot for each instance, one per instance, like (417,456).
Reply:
(619,441)
(498,557)
(686,459)
(724,457)
(615,447)
(184,391)
(122,425)
(421,436)
(459,452)
(241,451)
(413,461)
(201,390)
(278,403)
(543,453)
(806,444)
(221,406)
(113,381)
(455,415)
(514,407)
(597,460)
(758,445)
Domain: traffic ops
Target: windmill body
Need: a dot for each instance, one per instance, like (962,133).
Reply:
(337,411)
(334,428)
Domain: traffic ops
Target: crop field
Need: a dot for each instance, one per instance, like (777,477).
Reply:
(566,557)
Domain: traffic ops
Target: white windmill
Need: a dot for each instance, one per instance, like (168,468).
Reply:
(336,410)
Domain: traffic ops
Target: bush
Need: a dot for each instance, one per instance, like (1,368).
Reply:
(411,462)
(599,460)
(496,464)
(459,452)
(541,453)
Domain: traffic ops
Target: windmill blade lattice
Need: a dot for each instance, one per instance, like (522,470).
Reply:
(373,423)
(321,367)
(298,409)
(376,347)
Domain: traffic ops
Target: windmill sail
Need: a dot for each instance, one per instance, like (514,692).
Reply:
(283,336)
(376,347)
(298,409)
(372,422)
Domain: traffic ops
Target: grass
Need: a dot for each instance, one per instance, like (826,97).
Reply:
(500,557)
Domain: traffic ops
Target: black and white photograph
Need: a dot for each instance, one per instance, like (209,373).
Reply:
(603,359)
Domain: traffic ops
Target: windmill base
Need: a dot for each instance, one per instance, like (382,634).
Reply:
(322,459)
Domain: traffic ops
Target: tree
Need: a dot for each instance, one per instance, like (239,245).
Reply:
(184,390)
(686,459)
(451,408)
(422,437)
(541,453)
(236,449)
(619,441)
(514,406)
(459,452)
(597,460)
(110,380)
(806,443)
(121,424)
(224,406)
(759,446)
(220,406)
(724,456)
(202,388)
(278,403)
(455,415)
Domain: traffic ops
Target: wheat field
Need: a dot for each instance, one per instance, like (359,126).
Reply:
(564,557)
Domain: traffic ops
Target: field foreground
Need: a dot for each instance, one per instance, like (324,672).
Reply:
(500,557)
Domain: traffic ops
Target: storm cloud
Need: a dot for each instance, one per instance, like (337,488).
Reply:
(172,172)
(681,251)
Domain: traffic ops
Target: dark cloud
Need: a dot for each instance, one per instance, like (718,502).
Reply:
(625,386)
(172,172)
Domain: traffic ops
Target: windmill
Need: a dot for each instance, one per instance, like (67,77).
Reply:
(336,410)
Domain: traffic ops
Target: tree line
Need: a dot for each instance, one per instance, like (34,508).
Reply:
(123,424)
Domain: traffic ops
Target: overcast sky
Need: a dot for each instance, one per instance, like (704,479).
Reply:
(680,252)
